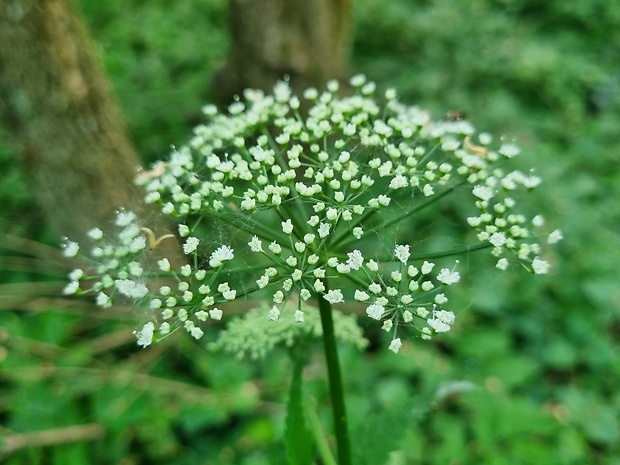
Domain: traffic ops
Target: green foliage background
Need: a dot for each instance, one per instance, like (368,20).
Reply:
(531,372)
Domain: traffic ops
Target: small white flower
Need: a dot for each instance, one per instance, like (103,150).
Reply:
(387,326)
(334,296)
(131,288)
(428,190)
(375,311)
(275,248)
(427,267)
(375,288)
(355,260)
(395,345)
(324,229)
(95,234)
(103,300)
(401,252)
(361,296)
(278,297)
(318,285)
(255,244)
(76,274)
(474,221)
(448,277)
(164,264)
(497,239)
(483,192)
(229,294)
(216,313)
(221,255)
(191,244)
(540,266)
(331,214)
(384,200)
(70,249)
(299,316)
(287,226)
(145,335)
(421,312)
(273,314)
(124,218)
(196,332)
(183,230)
(71,288)
(262,282)
(555,237)
(311,93)
(441,320)
(358,80)
(398,182)
(502,264)
(427,286)
(137,244)
(509,150)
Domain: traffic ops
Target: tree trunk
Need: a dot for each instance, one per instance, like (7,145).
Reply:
(61,118)
(307,40)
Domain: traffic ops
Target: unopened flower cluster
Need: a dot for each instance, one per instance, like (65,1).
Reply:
(308,198)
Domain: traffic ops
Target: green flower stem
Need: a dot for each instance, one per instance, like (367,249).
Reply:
(317,433)
(335,383)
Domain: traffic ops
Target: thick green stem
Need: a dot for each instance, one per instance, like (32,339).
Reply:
(335,383)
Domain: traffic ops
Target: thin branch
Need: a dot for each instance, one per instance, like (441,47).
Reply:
(88,432)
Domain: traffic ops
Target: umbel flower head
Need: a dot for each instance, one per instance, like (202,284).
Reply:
(308,207)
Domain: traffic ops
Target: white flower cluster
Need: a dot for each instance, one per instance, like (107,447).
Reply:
(312,194)
(408,296)
(119,273)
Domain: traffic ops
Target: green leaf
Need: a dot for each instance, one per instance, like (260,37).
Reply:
(297,435)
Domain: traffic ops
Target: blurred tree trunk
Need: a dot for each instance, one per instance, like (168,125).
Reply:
(62,119)
(308,40)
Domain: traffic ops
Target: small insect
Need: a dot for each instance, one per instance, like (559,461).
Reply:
(455,116)
(473,148)
(152,240)
(144,176)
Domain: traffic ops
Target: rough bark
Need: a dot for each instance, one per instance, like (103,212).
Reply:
(60,115)
(306,40)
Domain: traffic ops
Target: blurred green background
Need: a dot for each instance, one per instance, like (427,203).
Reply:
(542,352)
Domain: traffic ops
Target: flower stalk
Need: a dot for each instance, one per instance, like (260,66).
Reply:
(341,427)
